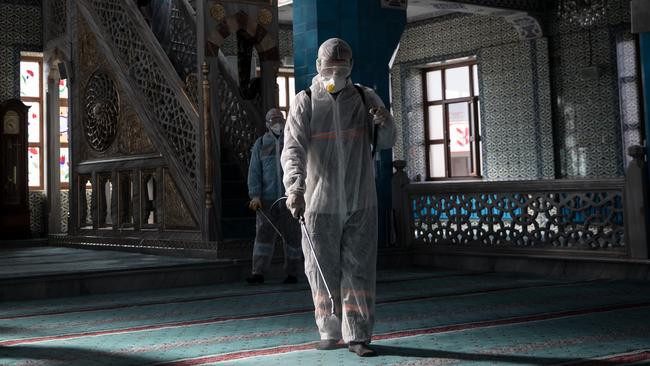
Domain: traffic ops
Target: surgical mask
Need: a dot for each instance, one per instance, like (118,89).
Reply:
(277,128)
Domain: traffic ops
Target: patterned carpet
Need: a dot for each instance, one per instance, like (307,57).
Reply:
(423,318)
(49,261)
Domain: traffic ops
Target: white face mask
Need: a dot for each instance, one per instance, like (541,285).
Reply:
(277,128)
(334,78)
(334,84)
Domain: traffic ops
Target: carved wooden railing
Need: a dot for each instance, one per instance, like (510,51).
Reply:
(163,85)
(182,51)
(240,120)
(157,91)
(602,217)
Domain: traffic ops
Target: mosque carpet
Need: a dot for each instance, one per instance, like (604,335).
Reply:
(423,317)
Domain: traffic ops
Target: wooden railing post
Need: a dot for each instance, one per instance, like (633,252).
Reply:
(400,205)
(635,204)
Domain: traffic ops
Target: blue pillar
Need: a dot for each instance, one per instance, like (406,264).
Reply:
(373,33)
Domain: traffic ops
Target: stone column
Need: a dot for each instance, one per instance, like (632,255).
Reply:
(373,33)
(53,150)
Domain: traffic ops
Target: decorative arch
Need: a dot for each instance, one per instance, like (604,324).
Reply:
(265,44)
(54,59)
(255,26)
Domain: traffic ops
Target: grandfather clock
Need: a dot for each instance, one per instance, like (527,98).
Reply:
(14,206)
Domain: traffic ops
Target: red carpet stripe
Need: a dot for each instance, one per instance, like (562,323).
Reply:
(14,342)
(210,298)
(415,332)
(626,358)
(242,354)
(509,321)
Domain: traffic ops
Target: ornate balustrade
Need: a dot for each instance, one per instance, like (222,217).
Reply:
(239,120)
(602,217)
(159,95)
(183,43)
(158,76)
(570,214)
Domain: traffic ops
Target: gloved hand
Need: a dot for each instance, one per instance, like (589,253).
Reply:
(255,204)
(296,204)
(380,115)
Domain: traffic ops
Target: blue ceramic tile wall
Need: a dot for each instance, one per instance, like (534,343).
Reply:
(20,30)
(590,138)
(516,110)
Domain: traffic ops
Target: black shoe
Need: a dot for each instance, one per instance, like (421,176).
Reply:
(361,349)
(327,344)
(290,280)
(256,278)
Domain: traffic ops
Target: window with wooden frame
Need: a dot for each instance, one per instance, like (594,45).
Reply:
(31,93)
(452,119)
(286,90)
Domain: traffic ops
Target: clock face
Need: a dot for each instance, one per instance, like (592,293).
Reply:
(11,123)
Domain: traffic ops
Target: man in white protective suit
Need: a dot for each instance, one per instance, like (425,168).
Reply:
(329,179)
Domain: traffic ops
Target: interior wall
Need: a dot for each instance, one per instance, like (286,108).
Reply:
(587,113)
(514,80)
(543,116)
(286,42)
(21,28)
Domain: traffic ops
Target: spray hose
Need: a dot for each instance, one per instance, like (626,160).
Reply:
(305,232)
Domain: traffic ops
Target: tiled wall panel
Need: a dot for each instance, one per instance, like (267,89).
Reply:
(514,76)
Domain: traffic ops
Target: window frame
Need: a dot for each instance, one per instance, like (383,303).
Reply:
(473,102)
(286,75)
(40,100)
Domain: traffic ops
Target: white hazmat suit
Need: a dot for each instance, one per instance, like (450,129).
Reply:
(327,158)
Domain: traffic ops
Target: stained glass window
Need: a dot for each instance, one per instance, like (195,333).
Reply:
(63,125)
(31,93)
(30,79)
(34,165)
(63,89)
(34,122)
(64,165)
